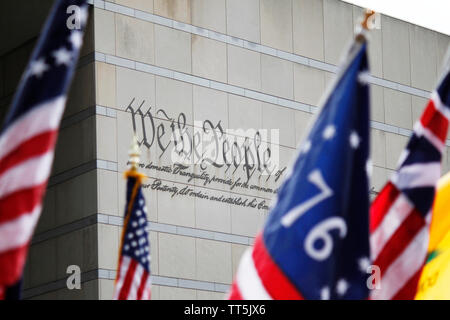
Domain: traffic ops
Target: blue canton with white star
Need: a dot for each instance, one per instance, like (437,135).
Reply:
(135,242)
(318,230)
(53,60)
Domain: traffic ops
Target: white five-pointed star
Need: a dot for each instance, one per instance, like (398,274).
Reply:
(369,167)
(341,287)
(38,67)
(62,56)
(76,38)
(325,293)
(306,146)
(329,132)
(364,264)
(354,140)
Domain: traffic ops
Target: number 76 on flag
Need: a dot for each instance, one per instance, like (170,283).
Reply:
(320,231)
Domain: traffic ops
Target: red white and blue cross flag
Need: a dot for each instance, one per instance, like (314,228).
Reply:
(28,135)
(315,243)
(400,216)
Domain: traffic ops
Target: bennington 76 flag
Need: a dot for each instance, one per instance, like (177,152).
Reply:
(28,136)
(315,243)
(133,274)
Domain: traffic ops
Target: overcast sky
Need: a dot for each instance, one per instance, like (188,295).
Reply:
(431,14)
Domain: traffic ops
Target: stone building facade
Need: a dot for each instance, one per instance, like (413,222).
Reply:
(179,70)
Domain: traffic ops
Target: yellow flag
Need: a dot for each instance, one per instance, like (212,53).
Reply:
(434,282)
(435,279)
(440,224)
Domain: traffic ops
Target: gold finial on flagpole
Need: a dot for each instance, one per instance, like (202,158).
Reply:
(367,15)
(134,154)
(361,36)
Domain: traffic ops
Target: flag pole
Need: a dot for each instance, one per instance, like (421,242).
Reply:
(134,157)
(134,208)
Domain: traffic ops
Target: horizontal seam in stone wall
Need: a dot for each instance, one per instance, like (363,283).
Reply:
(71,173)
(87,113)
(86,59)
(159,71)
(171,74)
(77,117)
(181,230)
(106,274)
(65,229)
(82,169)
(149,17)
(111,220)
(58,284)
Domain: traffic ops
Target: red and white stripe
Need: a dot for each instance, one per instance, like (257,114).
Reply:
(133,282)
(26,156)
(399,239)
(398,232)
(259,278)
